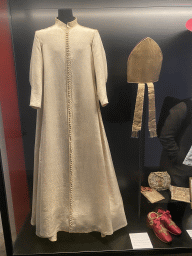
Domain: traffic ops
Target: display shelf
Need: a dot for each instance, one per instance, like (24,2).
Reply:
(28,243)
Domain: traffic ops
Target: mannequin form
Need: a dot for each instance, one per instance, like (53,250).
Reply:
(175,135)
(176,139)
(65,15)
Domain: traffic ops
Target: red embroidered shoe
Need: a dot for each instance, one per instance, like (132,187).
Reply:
(153,221)
(167,221)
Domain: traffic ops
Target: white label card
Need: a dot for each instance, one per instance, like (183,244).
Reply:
(189,231)
(140,240)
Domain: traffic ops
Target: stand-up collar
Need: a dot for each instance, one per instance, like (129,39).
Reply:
(64,25)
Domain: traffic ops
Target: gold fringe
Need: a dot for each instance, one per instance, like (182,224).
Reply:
(135,134)
(152,134)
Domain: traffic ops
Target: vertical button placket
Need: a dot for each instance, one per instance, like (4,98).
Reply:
(69,111)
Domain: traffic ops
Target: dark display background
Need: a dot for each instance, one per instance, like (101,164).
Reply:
(121,28)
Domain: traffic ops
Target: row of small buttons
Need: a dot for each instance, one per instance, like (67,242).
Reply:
(69,96)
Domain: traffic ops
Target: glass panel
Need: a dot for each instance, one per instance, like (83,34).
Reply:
(133,158)
(2,243)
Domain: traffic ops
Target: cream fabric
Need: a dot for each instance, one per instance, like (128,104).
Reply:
(75,187)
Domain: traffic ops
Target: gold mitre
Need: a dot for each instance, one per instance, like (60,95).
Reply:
(144,62)
(144,66)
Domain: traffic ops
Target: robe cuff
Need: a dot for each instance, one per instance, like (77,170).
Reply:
(34,102)
(35,107)
(104,102)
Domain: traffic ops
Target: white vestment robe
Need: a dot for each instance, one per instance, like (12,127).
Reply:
(75,188)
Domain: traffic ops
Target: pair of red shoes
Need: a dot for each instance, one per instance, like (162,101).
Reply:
(162,224)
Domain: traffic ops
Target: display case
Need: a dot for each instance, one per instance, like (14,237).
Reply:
(121,26)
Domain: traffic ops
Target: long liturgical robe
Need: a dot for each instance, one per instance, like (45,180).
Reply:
(75,188)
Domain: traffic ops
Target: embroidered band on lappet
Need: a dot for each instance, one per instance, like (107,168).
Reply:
(138,113)
(151,117)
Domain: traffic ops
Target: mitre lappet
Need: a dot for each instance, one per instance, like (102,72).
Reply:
(143,67)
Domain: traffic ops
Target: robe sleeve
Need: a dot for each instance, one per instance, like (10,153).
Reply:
(100,66)
(36,74)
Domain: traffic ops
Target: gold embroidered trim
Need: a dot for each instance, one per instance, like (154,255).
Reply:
(172,223)
(138,113)
(69,111)
(151,116)
(151,222)
(163,230)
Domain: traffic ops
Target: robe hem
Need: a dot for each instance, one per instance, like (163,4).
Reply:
(103,234)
